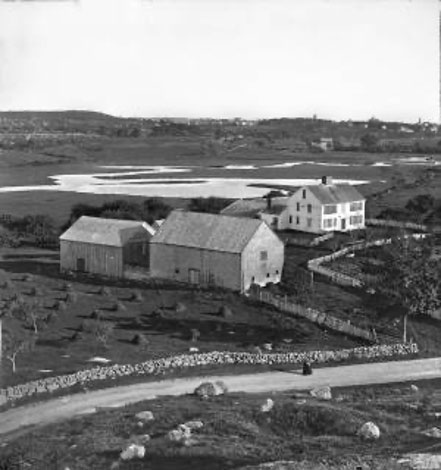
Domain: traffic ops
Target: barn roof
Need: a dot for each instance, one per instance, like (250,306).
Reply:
(207,231)
(335,193)
(253,207)
(109,232)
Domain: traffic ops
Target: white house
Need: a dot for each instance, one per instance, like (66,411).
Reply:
(321,208)
(326,207)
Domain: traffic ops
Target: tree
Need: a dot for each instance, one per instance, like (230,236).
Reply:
(15,343)
(412,277)
(369,142)
(29,313)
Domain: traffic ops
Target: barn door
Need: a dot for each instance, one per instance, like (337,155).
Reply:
(194,276)
(81,264)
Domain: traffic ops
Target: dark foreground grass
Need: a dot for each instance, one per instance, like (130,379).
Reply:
(66,345)
(235,434)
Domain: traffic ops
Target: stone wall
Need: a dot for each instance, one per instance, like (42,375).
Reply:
(159,366)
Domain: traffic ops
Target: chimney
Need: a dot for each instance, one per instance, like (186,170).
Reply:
(327,180)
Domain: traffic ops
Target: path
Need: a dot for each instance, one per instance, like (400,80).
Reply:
(57,409)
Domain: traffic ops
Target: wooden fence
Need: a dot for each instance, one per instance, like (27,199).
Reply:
(315,316)
(396,224)
(315,265)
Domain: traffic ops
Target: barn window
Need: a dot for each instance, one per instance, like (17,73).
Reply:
(297,220)
(309,208)
(290,219)
(298,207)
(144,248)
(176,271)
(304,194)
(253,280)
(267,274)
(263,255)
(277,271)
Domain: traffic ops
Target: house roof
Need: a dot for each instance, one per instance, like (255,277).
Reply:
(253,207)
(207,231)
(335,193)
(109,232)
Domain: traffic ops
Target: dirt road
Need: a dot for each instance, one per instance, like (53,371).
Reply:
(39,414)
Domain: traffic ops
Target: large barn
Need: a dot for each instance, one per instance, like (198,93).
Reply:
(218,250)
(105,246)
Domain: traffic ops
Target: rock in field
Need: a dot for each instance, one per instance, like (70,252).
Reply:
(195,424)
(369,431)
(145,416)
(267,406)
(210,389)
(432,432)
(133,451)
(322,393)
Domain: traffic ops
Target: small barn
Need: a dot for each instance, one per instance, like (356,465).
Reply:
(105,246)
(217,250)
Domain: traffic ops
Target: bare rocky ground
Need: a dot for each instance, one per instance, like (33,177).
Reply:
(248,432)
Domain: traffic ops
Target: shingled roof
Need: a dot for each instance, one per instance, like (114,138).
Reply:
(253,207)
(335,193)
(207,231)
(109,232)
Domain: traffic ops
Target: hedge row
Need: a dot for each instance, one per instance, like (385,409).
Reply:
(159,366)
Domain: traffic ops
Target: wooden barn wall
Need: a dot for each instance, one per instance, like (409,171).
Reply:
(263,270)
(99,259)
(137,253)
(217,268)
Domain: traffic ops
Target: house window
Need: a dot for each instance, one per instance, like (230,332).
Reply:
(277,272)
(290,219)
(328,223)
(330,209)
(298,207)
(309,208)
(356,206)
(297,220)
(176,271)
(263,255)
(356,219)
(267,274)
(309,222)
(304,194)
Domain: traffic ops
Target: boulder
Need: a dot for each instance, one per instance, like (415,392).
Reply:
(432,432)
(369,431)
(194,424)
(133,451)
(268,346)
(267,406)
(193,350)
(145,416)
(210,389)
(322,393)
(180,435)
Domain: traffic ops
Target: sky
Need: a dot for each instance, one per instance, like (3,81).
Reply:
(338,59)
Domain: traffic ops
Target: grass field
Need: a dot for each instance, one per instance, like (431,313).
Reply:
(165,316)
(311,434)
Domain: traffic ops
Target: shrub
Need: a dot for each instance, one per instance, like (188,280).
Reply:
(61,305)
(71,297)
(195,334)
(140,340)
(180,307)
(137,297)
(34,291)
(105,291)
(225,311)
(119,306)
(97,314)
